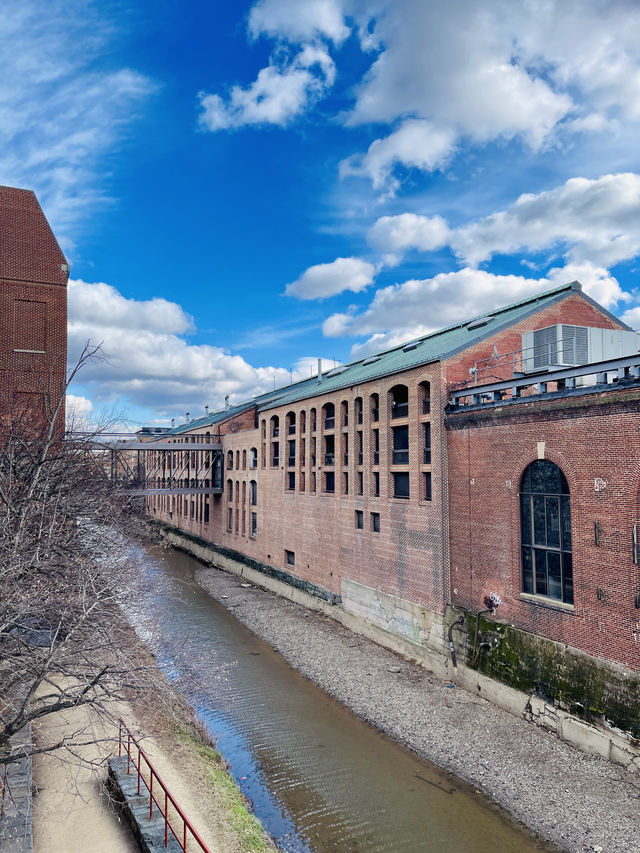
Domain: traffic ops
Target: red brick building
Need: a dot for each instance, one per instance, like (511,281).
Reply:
(33,308)
(366,487)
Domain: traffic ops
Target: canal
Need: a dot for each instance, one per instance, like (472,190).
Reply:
(319,778)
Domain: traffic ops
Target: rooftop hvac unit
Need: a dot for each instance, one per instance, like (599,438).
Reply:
(568,346)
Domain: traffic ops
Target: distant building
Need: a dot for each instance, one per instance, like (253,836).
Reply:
(33,309)
(481,464)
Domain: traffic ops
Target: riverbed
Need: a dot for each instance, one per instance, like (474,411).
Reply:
(322,779)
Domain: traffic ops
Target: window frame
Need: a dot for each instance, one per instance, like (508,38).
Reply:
(546,552)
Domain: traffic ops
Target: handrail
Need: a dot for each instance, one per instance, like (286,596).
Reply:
(168,797)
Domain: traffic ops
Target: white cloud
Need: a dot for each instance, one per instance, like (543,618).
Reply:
(415,144)
(78,407)
(146,361)
(475,72)
(298,21)
(588,221)
(322,280)
(398,234)
(403,311)
(592,220)
(103,304)
(59,115)
(279,94)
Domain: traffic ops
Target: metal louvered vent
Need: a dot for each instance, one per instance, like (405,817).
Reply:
(575,345)
(545,347)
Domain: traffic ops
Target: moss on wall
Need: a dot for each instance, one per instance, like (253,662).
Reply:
(567,678)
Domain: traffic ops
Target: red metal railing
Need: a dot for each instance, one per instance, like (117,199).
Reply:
(161,798)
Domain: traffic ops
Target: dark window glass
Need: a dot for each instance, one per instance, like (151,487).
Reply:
(427,485)
(527,570)
(290,558)
(291,481)
(401,485)
(359,519)
(329,482)
(545,512)
(375,522)
(376,484)
(525,519)
(401,445)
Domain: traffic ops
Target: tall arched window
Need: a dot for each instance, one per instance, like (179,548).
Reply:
(545,532)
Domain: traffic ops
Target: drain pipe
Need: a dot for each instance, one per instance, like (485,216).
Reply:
(452,649)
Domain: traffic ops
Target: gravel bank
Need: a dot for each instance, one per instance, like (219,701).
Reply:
(580,803)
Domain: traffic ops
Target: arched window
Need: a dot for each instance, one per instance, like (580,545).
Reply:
(545,532)
(329,415)
(357,410)
(253,458)
(275,426)
(229,460)
(399,401)
(291,423)
(244,460)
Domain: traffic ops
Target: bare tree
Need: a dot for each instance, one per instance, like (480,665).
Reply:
(64,641)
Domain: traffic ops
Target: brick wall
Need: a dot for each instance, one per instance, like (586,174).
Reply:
(407,557)
(596,442)
(33,306)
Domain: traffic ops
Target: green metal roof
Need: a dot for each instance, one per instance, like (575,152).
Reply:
(425,350)
(434,347)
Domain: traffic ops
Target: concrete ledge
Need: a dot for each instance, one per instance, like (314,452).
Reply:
(149,832)
(16,822)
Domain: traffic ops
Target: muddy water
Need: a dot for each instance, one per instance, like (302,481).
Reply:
(318,777)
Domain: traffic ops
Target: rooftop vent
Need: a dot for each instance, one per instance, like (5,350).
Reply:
(412,345)
(372,359)
(338,370)
(481,321)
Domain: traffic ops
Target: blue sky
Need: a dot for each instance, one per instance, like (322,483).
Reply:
(242,188)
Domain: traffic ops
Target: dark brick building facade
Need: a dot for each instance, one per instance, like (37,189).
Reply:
(33,308)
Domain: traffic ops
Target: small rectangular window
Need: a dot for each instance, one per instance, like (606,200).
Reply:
(401,485)
(375,522)
(329,482)
(376,484)
(359,519)
(230,519)
(291,481)
(345,483)
(206,512)
(289,558)
(427,485)
(360,482)
(254,524)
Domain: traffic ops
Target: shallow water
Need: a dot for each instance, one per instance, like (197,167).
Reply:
(319,778)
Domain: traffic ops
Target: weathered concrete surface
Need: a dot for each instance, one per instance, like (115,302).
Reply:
(149,831)
(16,825)
(579,801)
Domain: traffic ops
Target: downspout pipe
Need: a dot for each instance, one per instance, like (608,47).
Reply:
(452,649)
